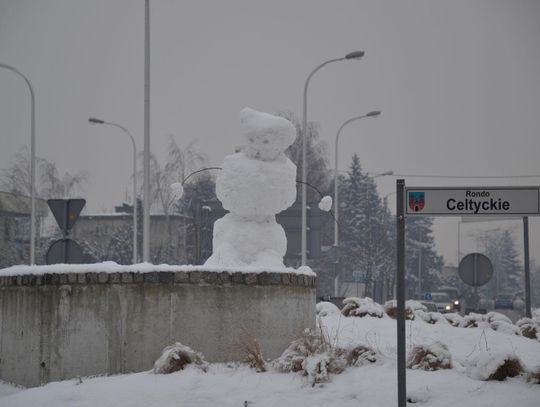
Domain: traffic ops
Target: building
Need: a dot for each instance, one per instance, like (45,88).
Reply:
(15,227)
(109,237)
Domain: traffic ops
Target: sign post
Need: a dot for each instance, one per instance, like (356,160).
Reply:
(400,293)
(472,201)
(528,312)
(454,201)
(65,250)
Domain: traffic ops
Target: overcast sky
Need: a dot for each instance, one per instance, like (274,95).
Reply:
(458,83)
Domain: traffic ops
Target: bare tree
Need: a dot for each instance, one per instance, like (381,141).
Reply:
(16,178)
(179,164)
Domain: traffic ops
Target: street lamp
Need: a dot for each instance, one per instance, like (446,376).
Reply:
(374,113)
(93,120)
(32,164)
(350,56)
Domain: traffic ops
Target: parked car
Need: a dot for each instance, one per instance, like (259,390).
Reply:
(504,301)
(443,302)
(455,296)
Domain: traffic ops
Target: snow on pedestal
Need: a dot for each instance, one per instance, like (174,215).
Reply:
(254,185)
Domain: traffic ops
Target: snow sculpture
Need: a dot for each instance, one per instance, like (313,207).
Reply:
(254,185)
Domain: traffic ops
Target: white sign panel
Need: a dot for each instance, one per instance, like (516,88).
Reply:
(461,201)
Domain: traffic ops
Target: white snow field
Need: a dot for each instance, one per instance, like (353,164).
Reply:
(369,385)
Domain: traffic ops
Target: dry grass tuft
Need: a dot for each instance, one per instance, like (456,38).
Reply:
(315,357)
(534,376)
(177,357)
(528,328)
(391,310)
(510,368)
(361,307)
(361,355)
(472,320)
(430,357)
(252,351)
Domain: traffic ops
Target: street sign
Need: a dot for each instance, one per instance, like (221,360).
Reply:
(475,269)
(64,251)
(502,202)
(476,201)
(66,211)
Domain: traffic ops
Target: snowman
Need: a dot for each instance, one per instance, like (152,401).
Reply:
(254,185)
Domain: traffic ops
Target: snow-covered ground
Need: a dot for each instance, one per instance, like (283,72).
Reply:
(370,385)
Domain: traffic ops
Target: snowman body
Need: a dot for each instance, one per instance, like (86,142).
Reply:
(254,185)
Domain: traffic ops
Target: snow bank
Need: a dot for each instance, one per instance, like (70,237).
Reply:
(325,308)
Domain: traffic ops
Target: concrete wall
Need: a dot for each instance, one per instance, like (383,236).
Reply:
(60,326)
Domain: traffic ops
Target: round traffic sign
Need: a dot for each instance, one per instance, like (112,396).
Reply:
(475,269)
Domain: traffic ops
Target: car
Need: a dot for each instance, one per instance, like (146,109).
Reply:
(430,305)
(443,302)
(504,301)
(455,296)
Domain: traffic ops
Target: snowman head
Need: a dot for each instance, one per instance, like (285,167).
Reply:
(266,136)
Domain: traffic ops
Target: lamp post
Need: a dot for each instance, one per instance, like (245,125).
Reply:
(336,206)
(146,154)
(351,56)
(93,120)
(32,163)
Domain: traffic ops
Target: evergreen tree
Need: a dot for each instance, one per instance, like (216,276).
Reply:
(423,264)
(510,269)
(366,244)
(500,248)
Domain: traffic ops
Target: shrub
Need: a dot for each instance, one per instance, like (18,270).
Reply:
(390,307)
(472,320)
(536,315)
(505,327)
(177,357)
(430,357)
(314,356)
(431,317)
(454,319)
(534,376)
(361,355)
(498,366)
(529,328)
(361,307)
(496,316)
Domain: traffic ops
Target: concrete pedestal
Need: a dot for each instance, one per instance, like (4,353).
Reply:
(59,326)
